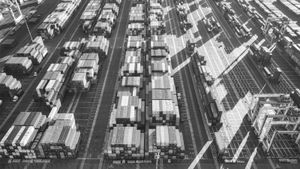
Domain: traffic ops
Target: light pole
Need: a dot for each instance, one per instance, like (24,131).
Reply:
(157,157)
(15,1)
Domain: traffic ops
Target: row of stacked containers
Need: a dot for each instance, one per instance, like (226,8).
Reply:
(23,62)
(56,21)
(34,135)
(145,118)
(164,136)
(127,119)
(100,17)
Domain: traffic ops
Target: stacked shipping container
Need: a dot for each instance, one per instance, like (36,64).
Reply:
(125,143)
(126,137)
(90,14)
(107,19)
(141,97)
(55,22)
(51,88)
(30,137)
(162,107)
(9,86)
(22,62)
(86,71)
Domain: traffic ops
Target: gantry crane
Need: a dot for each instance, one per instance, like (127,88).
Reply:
(275,28)
(13,5)
(275,114)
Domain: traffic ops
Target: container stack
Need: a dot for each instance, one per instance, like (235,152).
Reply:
(9,86)
(292,5)
(136,29)
(107,19)
(32,137)
(135,43)
(133,56)
(18,66)
(159,67)
(22,62)
(127,119)
(117,2)
(88,64)
(164,106)
(134,69)
(157,25)
(159,50)
(113,7)
(71,46)
(18,140)
(97,44)
(137,14)
(56,21)
(125,143)
(86,72)
(90,14)
(52,87)
(129,111)
(61,139)
(162,111)
(36,52)
(168,141)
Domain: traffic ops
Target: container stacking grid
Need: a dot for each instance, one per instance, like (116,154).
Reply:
(146,106)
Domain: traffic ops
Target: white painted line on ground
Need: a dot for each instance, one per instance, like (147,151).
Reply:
(29,105)
(74,106)
(272,163)
(44,165)
(240,148)
(251,159)
(71,104)
(200,154)
(182,65)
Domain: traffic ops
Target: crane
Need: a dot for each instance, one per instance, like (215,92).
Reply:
(275,27)
(13,5)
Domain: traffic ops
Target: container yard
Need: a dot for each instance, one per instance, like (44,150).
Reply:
(151,84)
